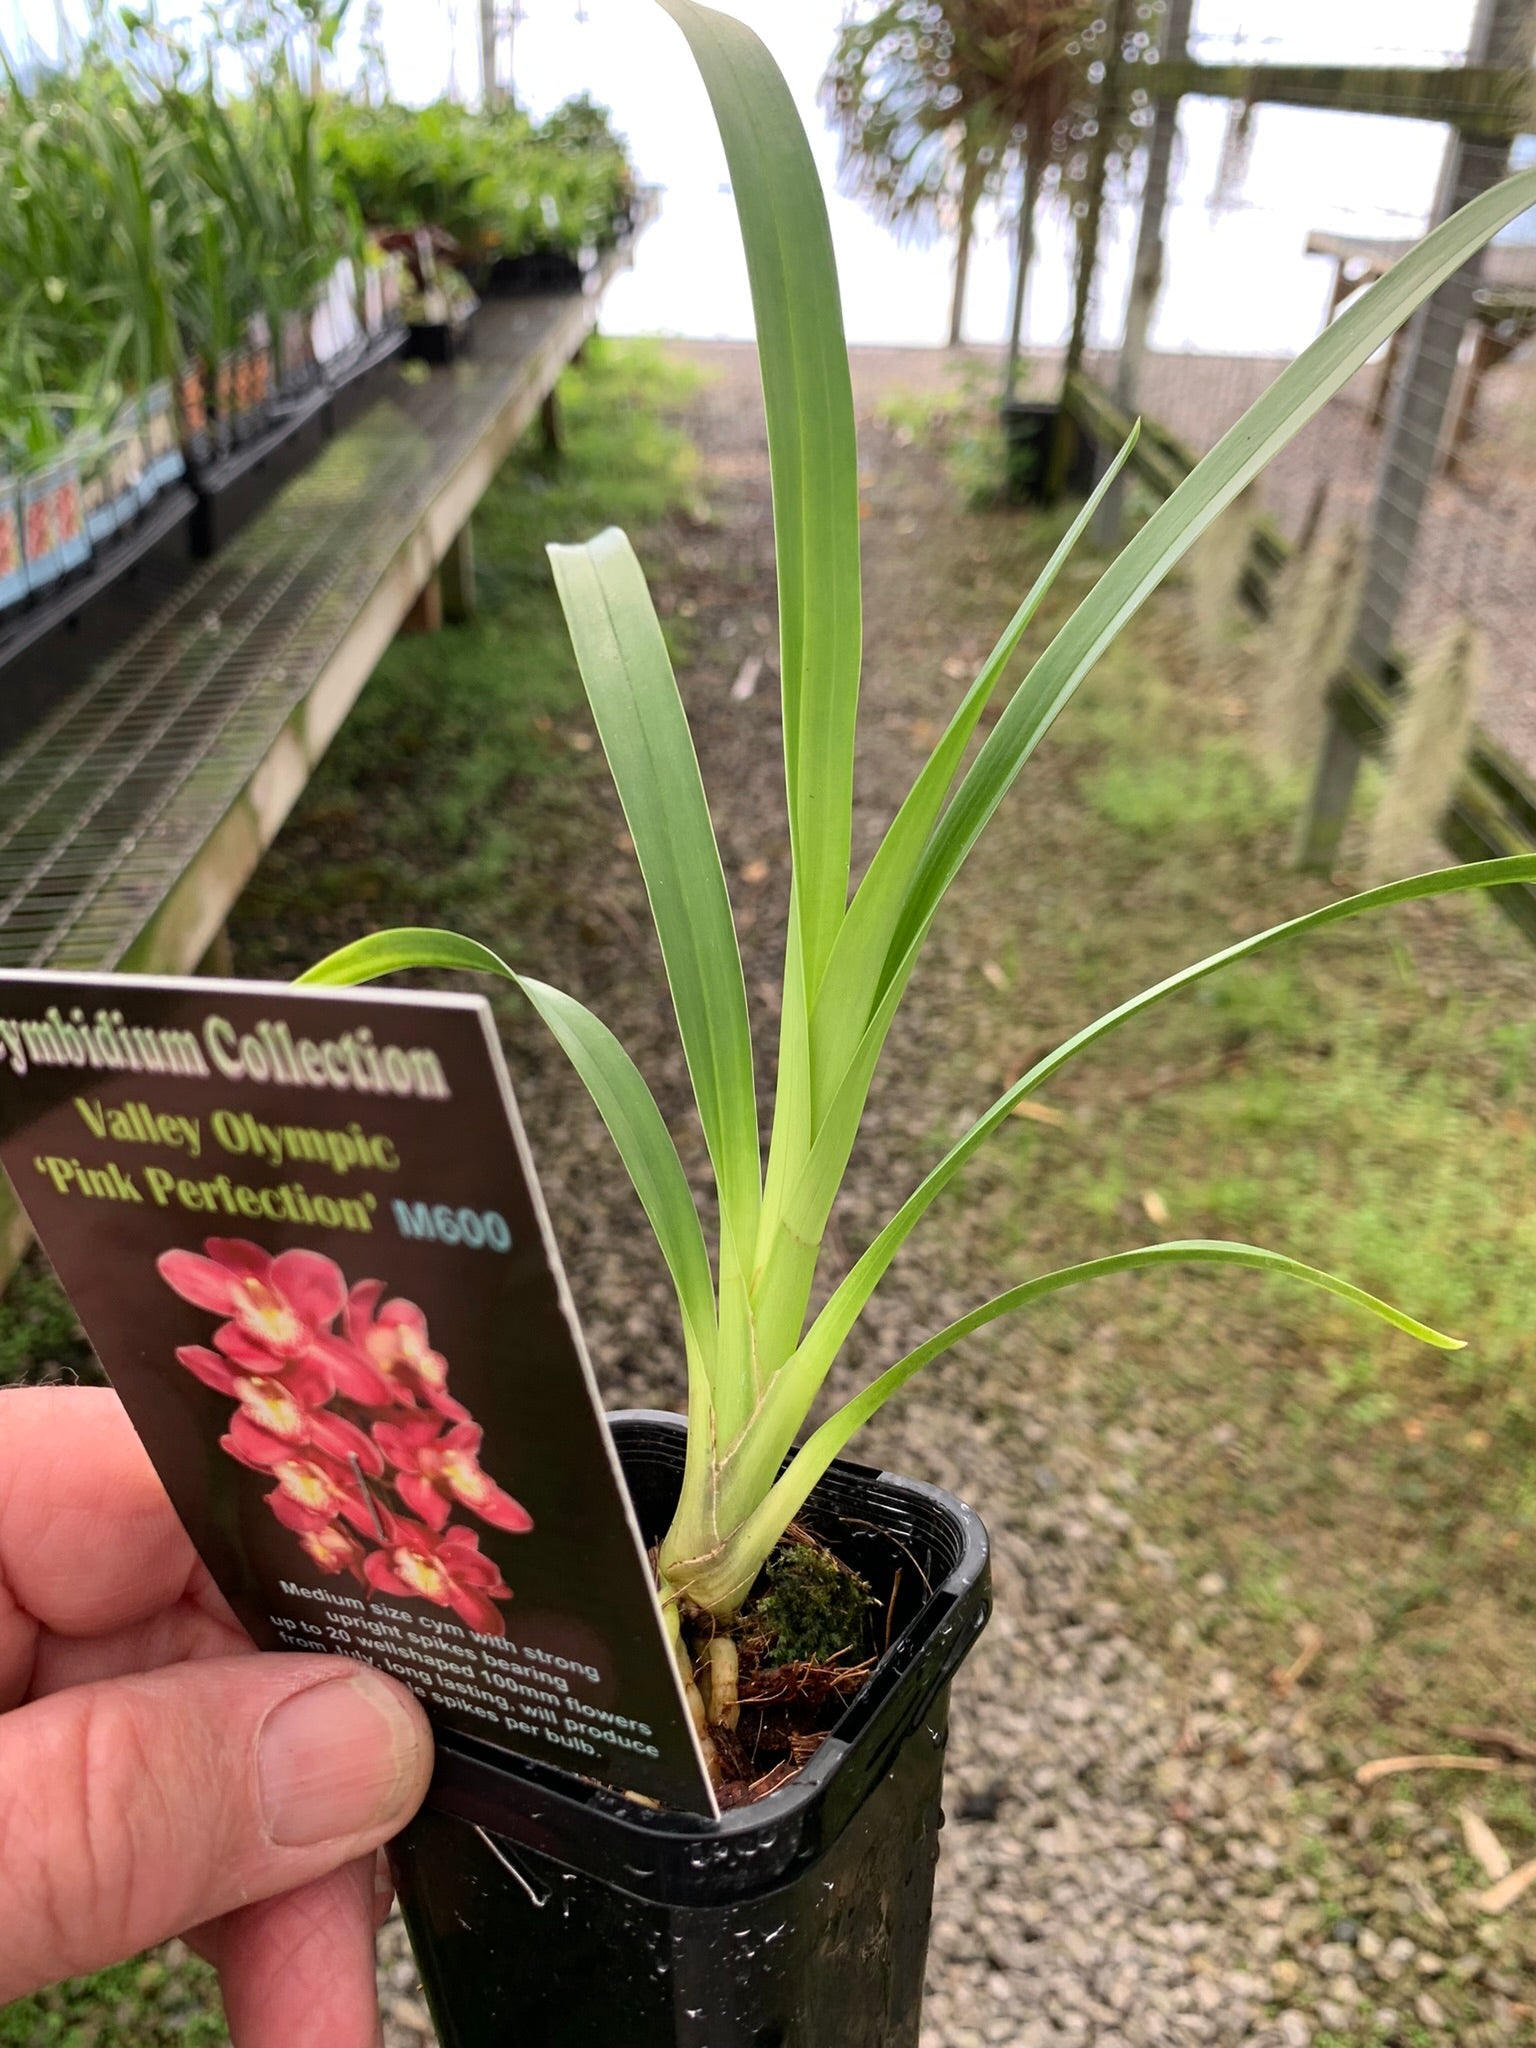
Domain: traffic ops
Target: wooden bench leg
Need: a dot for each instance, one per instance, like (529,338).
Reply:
(426,614)
(457,577)
(550,422)
(219,960)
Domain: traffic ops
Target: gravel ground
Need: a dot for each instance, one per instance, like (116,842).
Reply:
(1141,1848)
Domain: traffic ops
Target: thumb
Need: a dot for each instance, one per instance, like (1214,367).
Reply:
(134,1809)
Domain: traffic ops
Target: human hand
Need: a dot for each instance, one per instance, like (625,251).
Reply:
(159,1778)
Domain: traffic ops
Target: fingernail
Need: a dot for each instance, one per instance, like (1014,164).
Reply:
(341,1759)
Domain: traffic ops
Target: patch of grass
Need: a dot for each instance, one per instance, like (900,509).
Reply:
(1217,793)
(1362,1102)
(40,1340)
(169,2001)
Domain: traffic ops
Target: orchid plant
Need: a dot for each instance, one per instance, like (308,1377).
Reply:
(754,1367)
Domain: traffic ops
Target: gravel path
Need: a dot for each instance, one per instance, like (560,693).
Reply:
(1140,1849)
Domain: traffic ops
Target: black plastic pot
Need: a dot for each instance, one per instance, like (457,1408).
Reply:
(437,341)
(577,1919)
(1029,429)
(537,270)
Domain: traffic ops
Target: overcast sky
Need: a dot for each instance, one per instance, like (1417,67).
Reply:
(1239,281)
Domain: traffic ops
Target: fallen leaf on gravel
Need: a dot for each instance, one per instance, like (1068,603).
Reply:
(1499,1897)
(1041,1113)
(1483,1845)
(754,872)
(993,975)
(1156,1208)
(1309,1641)
(1388,1766)
(746,678)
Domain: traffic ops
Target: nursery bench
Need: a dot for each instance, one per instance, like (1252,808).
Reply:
(133,815)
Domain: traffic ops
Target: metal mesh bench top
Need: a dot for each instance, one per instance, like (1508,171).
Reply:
(132,815)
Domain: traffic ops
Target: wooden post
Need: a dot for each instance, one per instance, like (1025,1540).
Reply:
(457,577)
(551,431)
(426,614)
(1147,269)
(1064,439)
(1501,34)
(219,958)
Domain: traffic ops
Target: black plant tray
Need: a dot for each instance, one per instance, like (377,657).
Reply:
(442,341)
(232,488)
(39,636)
(366,377)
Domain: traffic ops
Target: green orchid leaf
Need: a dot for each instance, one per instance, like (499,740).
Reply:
(853,978)
(808,398)
(611,1078)
(644,730)
(729,1576)
(790,1397)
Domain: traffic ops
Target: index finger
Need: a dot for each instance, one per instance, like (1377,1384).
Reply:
(88,1539)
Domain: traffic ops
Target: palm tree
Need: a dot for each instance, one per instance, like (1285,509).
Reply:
(940,101)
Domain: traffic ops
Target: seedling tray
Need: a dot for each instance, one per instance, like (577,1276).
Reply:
(38,636)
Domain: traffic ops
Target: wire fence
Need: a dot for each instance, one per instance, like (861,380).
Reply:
(1473,545)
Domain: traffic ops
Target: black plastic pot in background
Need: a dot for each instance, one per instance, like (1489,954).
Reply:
(551,1913)
(1029,430)
(538,270)
(438,341)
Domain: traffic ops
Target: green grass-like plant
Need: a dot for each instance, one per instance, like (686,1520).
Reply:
(755,1368)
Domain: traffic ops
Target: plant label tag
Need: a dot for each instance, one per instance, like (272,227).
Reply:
(303,1231)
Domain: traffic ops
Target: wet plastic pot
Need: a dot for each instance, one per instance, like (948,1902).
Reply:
(579,1920)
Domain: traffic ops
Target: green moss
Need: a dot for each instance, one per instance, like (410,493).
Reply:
(39,1336)
(814,1609)
(155,2002)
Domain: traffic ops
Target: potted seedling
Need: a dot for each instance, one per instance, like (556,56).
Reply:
(800,1916)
